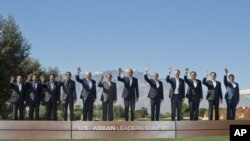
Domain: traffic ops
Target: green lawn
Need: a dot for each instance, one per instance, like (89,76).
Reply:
(222,138)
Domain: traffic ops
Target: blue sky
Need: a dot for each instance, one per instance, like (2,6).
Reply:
(105,34)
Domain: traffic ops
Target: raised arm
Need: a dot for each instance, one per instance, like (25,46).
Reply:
(78,75)
(204,81)
(100,83)
(168,76)
(226,83)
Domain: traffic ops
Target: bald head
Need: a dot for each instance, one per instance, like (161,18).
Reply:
(88,75)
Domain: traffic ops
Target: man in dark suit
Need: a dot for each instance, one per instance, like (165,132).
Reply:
(232,95)
(18,97)
(52,97)
(34,97)
(130,92)
(69,99)
(88,94)
(177,93)
(194,94)
(214,95)
(155,94)
(109,96)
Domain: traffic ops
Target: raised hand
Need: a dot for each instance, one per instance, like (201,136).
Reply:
(226,70)
(29,77)
(186,71)
(146,69)
(119,70)
(169,70)
(102,78)
(12,79)
(79,70)
(206,74)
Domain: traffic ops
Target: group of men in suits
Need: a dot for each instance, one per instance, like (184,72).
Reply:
(32,92)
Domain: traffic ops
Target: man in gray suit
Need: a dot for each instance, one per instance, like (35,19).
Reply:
(155,94)
(18,97)
(69,89)
(109,96)
(130,92)
(52,97)
(214,95)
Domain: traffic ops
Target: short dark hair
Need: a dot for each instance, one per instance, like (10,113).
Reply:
(108,75)
(231,75)
(52,74)
(193,72)
(178,70)
(68,73)
(213,73)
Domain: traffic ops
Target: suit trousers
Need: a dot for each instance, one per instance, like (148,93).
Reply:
(231,109)
(176,106)
(129,103)
(213,105)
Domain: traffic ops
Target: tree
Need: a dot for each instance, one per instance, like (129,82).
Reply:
(14,48)
(15,60)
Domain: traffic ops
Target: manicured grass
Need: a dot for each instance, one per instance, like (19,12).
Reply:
(221,138)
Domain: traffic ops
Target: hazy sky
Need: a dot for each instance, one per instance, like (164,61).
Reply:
(105,34)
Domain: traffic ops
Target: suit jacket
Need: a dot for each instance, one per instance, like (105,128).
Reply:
(130,92)
(193,92)
(214,93)
(181,90)
(236,90)
(109,92)
(52,94)
(35,94)
(87,93)
(154,91)
(69,89)
(16,93)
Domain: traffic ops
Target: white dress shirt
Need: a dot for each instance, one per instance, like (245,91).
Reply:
(20,87)
(89,83)
(234,85)
(130,81)
(214,83)
(176,91)
(195,83)
(157,84)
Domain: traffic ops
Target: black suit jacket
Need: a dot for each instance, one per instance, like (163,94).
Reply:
(154,91)
(192,92)
(131,92)
(109,92)
(16,91)
(55,92)
(181,90)
(90,93)
(214,93)
(38,91)
(236,96)
(69,90)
